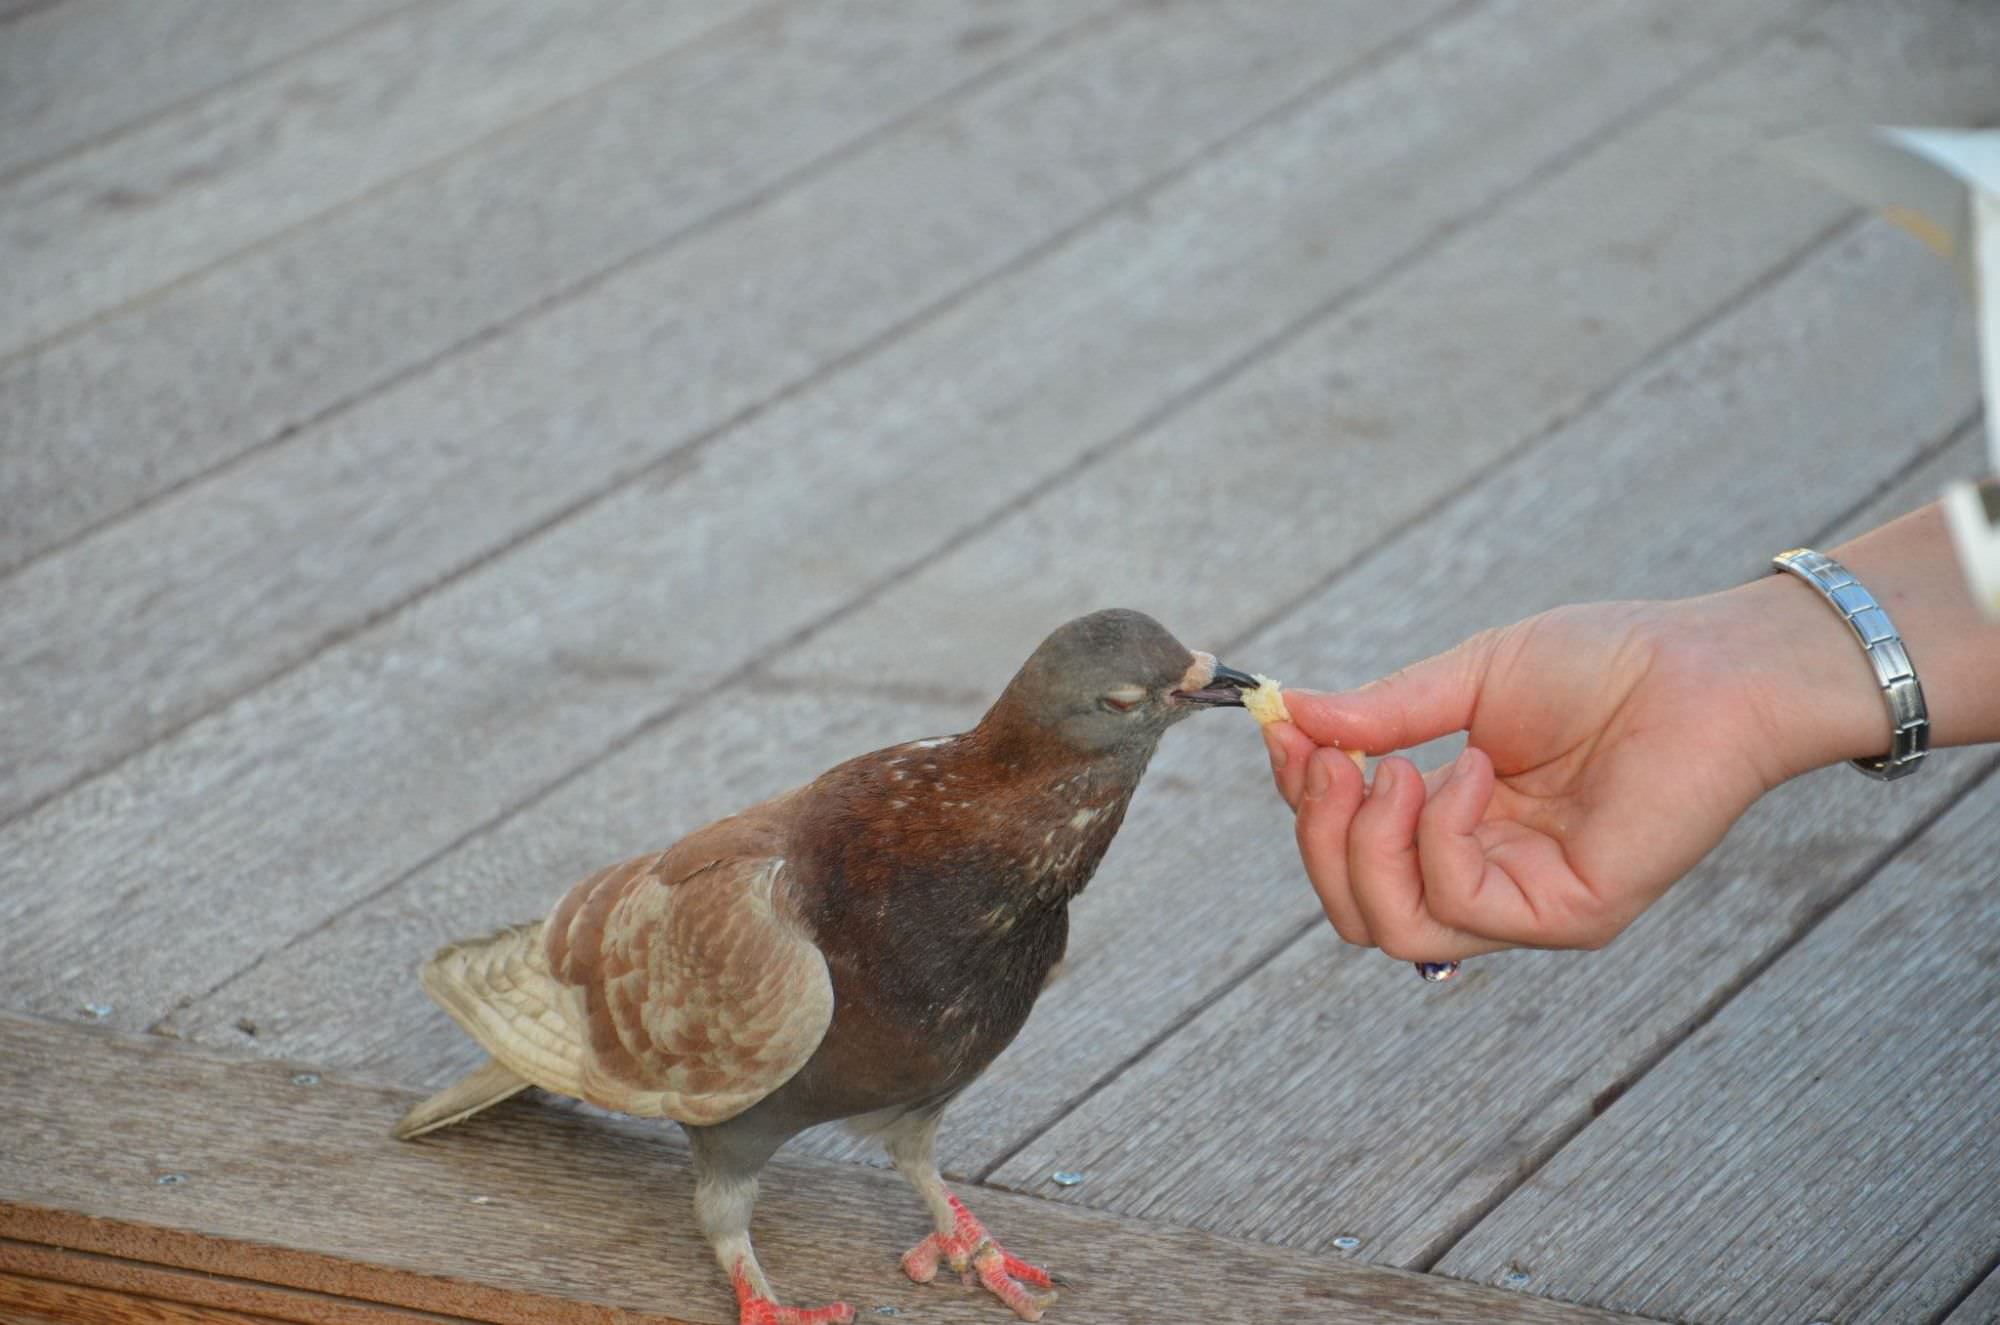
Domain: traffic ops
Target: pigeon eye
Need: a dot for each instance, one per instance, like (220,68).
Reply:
(1124,699)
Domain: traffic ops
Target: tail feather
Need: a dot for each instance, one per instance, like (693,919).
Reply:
(482,1089)
(500,991)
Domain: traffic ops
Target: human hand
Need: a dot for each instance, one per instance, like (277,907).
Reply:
(1610,746)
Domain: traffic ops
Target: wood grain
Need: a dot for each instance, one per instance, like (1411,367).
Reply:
(412,734)
(1396,1112)
(1981,1306)
(24,1299)
(1840,1110)
(71,74)
(433,261)
(193,1290)
(534,1215)
(113,222)
(1206,877)
(193,600)
(347,994)
(1306,463)
(1498,334)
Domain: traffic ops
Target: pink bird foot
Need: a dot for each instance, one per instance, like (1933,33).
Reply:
(752,1309)
(971,1250)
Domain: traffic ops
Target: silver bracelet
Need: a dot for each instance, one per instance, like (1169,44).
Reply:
(1884,647)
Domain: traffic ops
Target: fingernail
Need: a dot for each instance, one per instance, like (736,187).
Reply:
(1317,779)
(1463,764)
(1277,749)
(1383,779)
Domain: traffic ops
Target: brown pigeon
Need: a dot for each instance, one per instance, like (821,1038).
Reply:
(859,948)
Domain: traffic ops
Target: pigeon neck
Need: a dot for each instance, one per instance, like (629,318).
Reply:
(1067,806)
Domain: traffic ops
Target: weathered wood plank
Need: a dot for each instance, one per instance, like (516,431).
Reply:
(37,1300)
(347,995)
(1117,992)
(1501,333)
(431,263)
(1396,1112)
(330,784)
(111,223)
(73,73)
(1982,1306)
(189,1289)
(1824,1148)
(1312,459)
(191,601)
(540,1216)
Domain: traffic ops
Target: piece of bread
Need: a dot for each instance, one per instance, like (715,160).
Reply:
(1267,704)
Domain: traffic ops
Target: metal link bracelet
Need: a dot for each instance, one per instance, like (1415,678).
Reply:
(1884,647)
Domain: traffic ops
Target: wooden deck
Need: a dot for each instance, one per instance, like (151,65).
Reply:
(451,444)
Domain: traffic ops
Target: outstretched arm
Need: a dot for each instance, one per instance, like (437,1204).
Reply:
(1610,747)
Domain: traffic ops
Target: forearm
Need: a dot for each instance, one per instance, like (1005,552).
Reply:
(1814,678)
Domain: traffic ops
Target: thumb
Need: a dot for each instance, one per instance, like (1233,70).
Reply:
(1420,703)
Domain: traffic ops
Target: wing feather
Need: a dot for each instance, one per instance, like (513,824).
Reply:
(697,991)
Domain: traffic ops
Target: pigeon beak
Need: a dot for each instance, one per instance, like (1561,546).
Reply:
(1222,688)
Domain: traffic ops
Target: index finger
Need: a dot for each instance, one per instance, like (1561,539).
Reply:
(1420,703)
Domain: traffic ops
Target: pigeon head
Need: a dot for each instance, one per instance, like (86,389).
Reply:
(1113,681)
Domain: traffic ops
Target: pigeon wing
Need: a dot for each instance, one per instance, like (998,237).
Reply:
(698,990)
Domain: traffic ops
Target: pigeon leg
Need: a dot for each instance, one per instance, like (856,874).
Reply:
(960,1241)
(725,1191)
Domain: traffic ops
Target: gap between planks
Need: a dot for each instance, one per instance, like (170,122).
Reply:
(188,101)
(685,452)
(683,456)
(1089,457)
(1840,526)
(1312,925)
(621,745)
(1882,1013)
(151,1284)
(1979,1304)
(499,133)
(1220,376)
(563,294)
(1149,1199)
(1706,1013)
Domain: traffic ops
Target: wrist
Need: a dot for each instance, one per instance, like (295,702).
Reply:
(1807,685)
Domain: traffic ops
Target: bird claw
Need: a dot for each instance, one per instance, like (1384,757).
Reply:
(763,1311)
(754,1309)
(1009,1280)
(981,1262)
